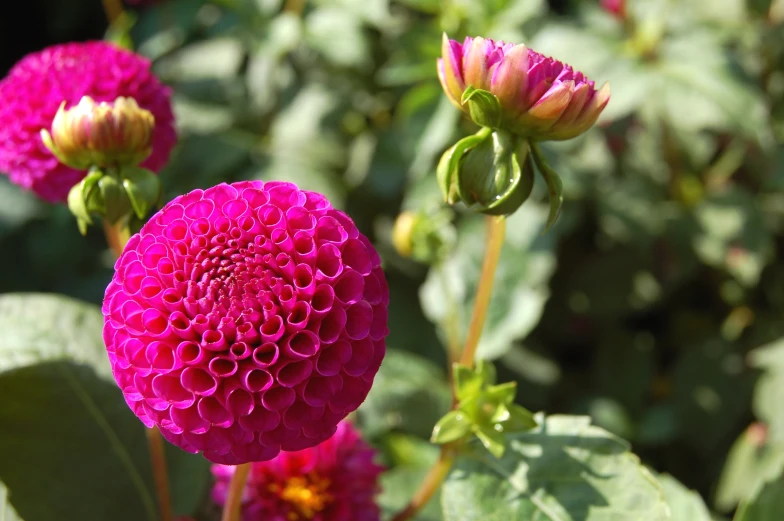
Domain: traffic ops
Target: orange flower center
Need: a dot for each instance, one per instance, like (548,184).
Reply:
(307,495)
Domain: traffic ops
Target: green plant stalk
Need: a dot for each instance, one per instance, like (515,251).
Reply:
(232,507)
(117,236)
(496,230)
(113,9)
(429,485)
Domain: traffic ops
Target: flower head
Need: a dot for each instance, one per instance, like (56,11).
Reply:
(538,97)
(35,89)
(333,481)
(246,319)
(102,134)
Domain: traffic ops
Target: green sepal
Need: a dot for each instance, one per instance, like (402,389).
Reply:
(143,188)
(486,371)
(115,199)
(492,440)
(554,185)
(520,419)
(502,393)
(448,165)
(483,105)
(495,177)
(453,426)
(468,383)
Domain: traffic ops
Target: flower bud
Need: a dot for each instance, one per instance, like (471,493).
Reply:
(537,97)
(116,134)
(424,235)
(491,171)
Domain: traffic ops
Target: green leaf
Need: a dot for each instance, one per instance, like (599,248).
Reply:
(767,506)
(769,390)
(565,470)
(54,364)
(685,504)
(7,512)
(753,460)
(452,426)
(733,235)
(409,394)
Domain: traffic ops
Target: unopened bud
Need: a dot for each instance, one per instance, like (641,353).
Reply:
(116,134)
(491,171)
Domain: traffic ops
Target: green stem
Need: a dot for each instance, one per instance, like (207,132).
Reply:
(233,506)
(496,230)
(430,484)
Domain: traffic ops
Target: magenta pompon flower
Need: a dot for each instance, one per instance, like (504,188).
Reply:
(36,87)
(540,98)
(336,480)
(246,319)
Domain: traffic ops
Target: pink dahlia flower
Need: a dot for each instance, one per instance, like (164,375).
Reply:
(246,319)
(539,97)
(36,87)
(333,481)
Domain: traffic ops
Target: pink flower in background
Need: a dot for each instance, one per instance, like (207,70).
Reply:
(540,97)
(615,7)
(246,319)
(334,481)
(36,87)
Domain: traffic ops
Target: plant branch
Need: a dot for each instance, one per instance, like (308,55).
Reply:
(429,485)
(233,506)
(496,230)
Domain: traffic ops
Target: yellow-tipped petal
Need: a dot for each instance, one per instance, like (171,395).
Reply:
(453,83)
(475,64)
(593,108)
(510,79)
(576,105)
(553,103)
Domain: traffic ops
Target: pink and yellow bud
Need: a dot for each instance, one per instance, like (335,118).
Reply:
(102,134)
(540,98)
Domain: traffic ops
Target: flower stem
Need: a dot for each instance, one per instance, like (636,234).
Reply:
(117,236)
(158,459)
(430,484)
(232,507)
(113,9)
(496,230)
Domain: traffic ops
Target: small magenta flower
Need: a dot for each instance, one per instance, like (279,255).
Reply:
(614,7)
(36,88)
(538,97)
(91,134)
(336,480)
(246,319)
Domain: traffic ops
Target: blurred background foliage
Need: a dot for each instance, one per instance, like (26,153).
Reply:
(656,303)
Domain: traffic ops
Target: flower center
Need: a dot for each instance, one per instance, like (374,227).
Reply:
(307,495)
